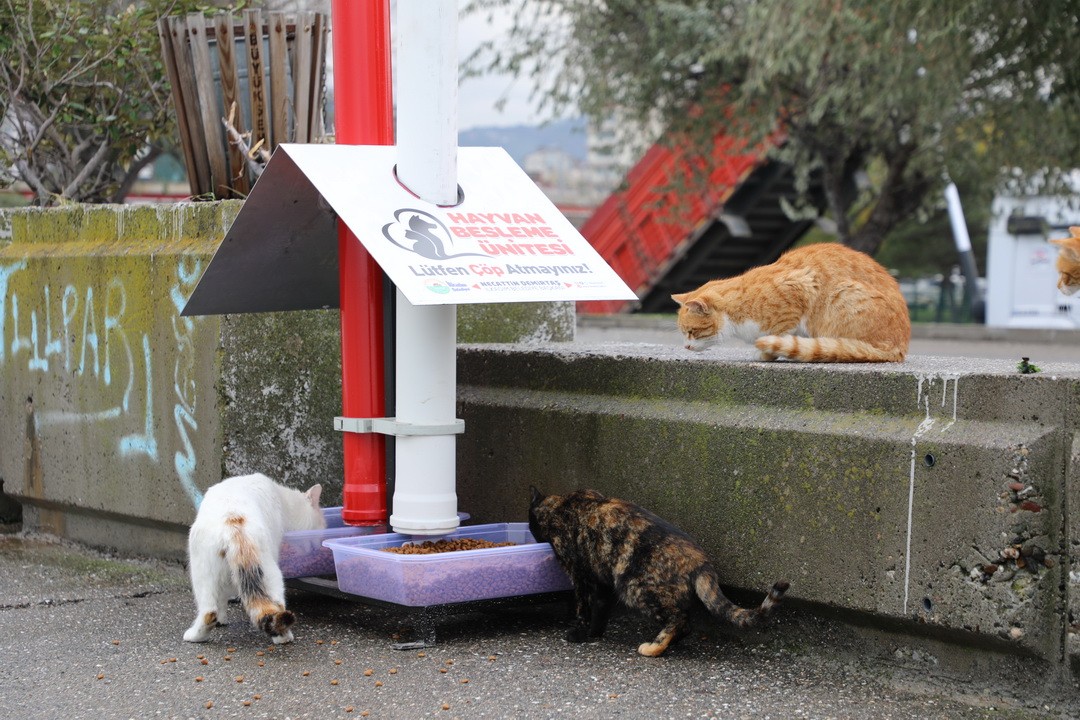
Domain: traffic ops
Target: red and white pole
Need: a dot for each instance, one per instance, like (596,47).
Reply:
(363,115)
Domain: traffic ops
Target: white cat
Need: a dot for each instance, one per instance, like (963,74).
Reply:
(233,550)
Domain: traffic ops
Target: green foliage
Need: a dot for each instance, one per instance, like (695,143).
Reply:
(1025,367)
(83,95)
(881,100)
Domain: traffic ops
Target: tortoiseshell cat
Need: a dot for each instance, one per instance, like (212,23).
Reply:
(1068,262)
(614,550)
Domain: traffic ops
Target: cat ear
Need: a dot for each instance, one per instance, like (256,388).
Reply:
(313,494)
(1068,247)
(535,495)
(1075,230)
(697,306)
(679,297)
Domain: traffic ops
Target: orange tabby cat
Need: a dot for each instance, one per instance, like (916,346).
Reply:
(820,303)
(1068,262)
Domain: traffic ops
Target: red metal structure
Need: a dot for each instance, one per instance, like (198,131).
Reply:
(661,240)
(363,115)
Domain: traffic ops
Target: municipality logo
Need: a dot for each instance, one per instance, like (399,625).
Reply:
(424,234)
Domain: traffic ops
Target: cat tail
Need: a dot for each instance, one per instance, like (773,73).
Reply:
(246,567)
(826,349)
(708,591)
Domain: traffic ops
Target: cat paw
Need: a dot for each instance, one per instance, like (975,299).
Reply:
(282,639)
(651,649)
(196,635)
(577,635)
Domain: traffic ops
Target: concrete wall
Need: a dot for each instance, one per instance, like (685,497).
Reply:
(822,475)
(116,413)
(936,494)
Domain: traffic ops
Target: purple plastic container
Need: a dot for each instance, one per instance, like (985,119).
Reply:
(302,551)
(526,568)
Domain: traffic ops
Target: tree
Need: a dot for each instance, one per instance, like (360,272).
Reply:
(882,100)
(84,103)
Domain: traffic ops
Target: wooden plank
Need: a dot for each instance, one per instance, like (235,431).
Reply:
(279,93)
(168,56)
(253,34)
(200,181)
(230,93)
(302,56)
(208,105)
(318,79)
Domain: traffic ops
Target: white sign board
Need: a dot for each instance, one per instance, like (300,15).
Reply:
(503,242)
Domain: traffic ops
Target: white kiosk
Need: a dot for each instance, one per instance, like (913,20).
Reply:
(1020,275)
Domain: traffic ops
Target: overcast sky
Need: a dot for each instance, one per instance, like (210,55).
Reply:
(477,96)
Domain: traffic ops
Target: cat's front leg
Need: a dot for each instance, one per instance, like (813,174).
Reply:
(583,611)
(601,604)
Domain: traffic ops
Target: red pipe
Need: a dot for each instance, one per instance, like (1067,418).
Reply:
(363,115)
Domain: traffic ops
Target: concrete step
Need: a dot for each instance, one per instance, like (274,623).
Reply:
(933,492)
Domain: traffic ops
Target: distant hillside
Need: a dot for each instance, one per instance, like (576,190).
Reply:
(520,140)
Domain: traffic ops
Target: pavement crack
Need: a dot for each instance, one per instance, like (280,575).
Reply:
(48,602)
(143,594)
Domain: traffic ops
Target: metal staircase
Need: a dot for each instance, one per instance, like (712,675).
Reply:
(662,243)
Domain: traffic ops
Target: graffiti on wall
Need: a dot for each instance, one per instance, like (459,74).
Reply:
(100,364)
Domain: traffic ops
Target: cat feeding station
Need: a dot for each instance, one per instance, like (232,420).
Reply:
(447,226)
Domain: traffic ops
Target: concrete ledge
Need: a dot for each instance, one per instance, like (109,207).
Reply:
(824,475)
(946,331)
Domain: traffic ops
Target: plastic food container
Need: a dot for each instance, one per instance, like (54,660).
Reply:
(302,551)
(525,568)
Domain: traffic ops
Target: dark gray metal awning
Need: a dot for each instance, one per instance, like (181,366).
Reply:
(281,252)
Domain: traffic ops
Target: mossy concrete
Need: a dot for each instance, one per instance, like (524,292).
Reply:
(937,494)
(118,413)
(808,473)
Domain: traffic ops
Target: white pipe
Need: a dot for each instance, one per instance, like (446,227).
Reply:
(427,98)
(425,497)
(956,219)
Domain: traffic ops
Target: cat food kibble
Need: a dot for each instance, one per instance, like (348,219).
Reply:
(369,672)
(429,547)
(333,682)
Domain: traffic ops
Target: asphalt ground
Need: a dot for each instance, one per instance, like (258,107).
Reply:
(85,634)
